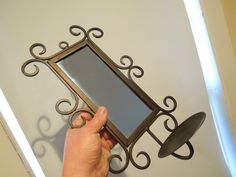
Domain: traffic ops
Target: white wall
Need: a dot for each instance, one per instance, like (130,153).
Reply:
(11,163)
(230,16)
(156,34)
(223,51)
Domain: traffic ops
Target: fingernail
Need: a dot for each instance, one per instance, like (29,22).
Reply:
(102,110)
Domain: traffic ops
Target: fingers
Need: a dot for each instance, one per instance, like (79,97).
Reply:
(99,120)
(81,119)
(107,139)
(86,115)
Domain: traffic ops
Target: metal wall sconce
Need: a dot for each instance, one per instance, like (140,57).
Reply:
(92,76)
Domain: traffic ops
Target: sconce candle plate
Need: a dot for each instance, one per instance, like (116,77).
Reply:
(182,134)
(92,76)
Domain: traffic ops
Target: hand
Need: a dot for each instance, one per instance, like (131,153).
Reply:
(87,149)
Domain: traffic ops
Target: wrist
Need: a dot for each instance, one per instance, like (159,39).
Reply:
(70,170)
(76,173)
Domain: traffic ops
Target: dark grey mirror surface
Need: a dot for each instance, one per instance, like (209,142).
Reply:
(126,110)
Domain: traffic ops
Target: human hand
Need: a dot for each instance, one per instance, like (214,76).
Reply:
(87,149)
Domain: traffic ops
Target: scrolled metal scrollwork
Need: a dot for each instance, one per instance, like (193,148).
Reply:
(95,32)
(123,60)
(38,50)
(130,67)
(67,101)
(77,30)
(37,58)
(143,153)
(169,108)
(133,69)
(39,55)
(166,125)
(170,117)
(117,156)
(75,114)
(36,68)
(63,45)
(169,128)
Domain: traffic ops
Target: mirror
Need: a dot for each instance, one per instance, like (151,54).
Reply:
(97,80)
(126,110)
(92,76)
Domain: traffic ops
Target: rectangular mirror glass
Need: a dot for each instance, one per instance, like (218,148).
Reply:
(94,77)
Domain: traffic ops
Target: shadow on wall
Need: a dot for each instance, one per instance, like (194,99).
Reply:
(117,175)
(56,142)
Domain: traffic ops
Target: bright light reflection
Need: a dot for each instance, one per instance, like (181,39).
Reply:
(213,83)
(13,125)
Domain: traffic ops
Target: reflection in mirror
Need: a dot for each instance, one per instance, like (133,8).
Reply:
(127,111)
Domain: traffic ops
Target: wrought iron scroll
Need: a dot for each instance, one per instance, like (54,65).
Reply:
(127,64)
(171,105)
(143,153)
(117,156)
(75,30)
(65,100)
(37,52)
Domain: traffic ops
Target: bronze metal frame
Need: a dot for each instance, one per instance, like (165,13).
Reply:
(127,144)
(134,87)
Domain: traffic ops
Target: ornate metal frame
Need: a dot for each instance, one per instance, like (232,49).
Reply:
(127,144)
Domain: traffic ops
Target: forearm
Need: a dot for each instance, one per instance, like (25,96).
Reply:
(85,170)
(72,171)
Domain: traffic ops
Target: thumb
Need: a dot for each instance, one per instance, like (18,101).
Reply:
(99,120)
